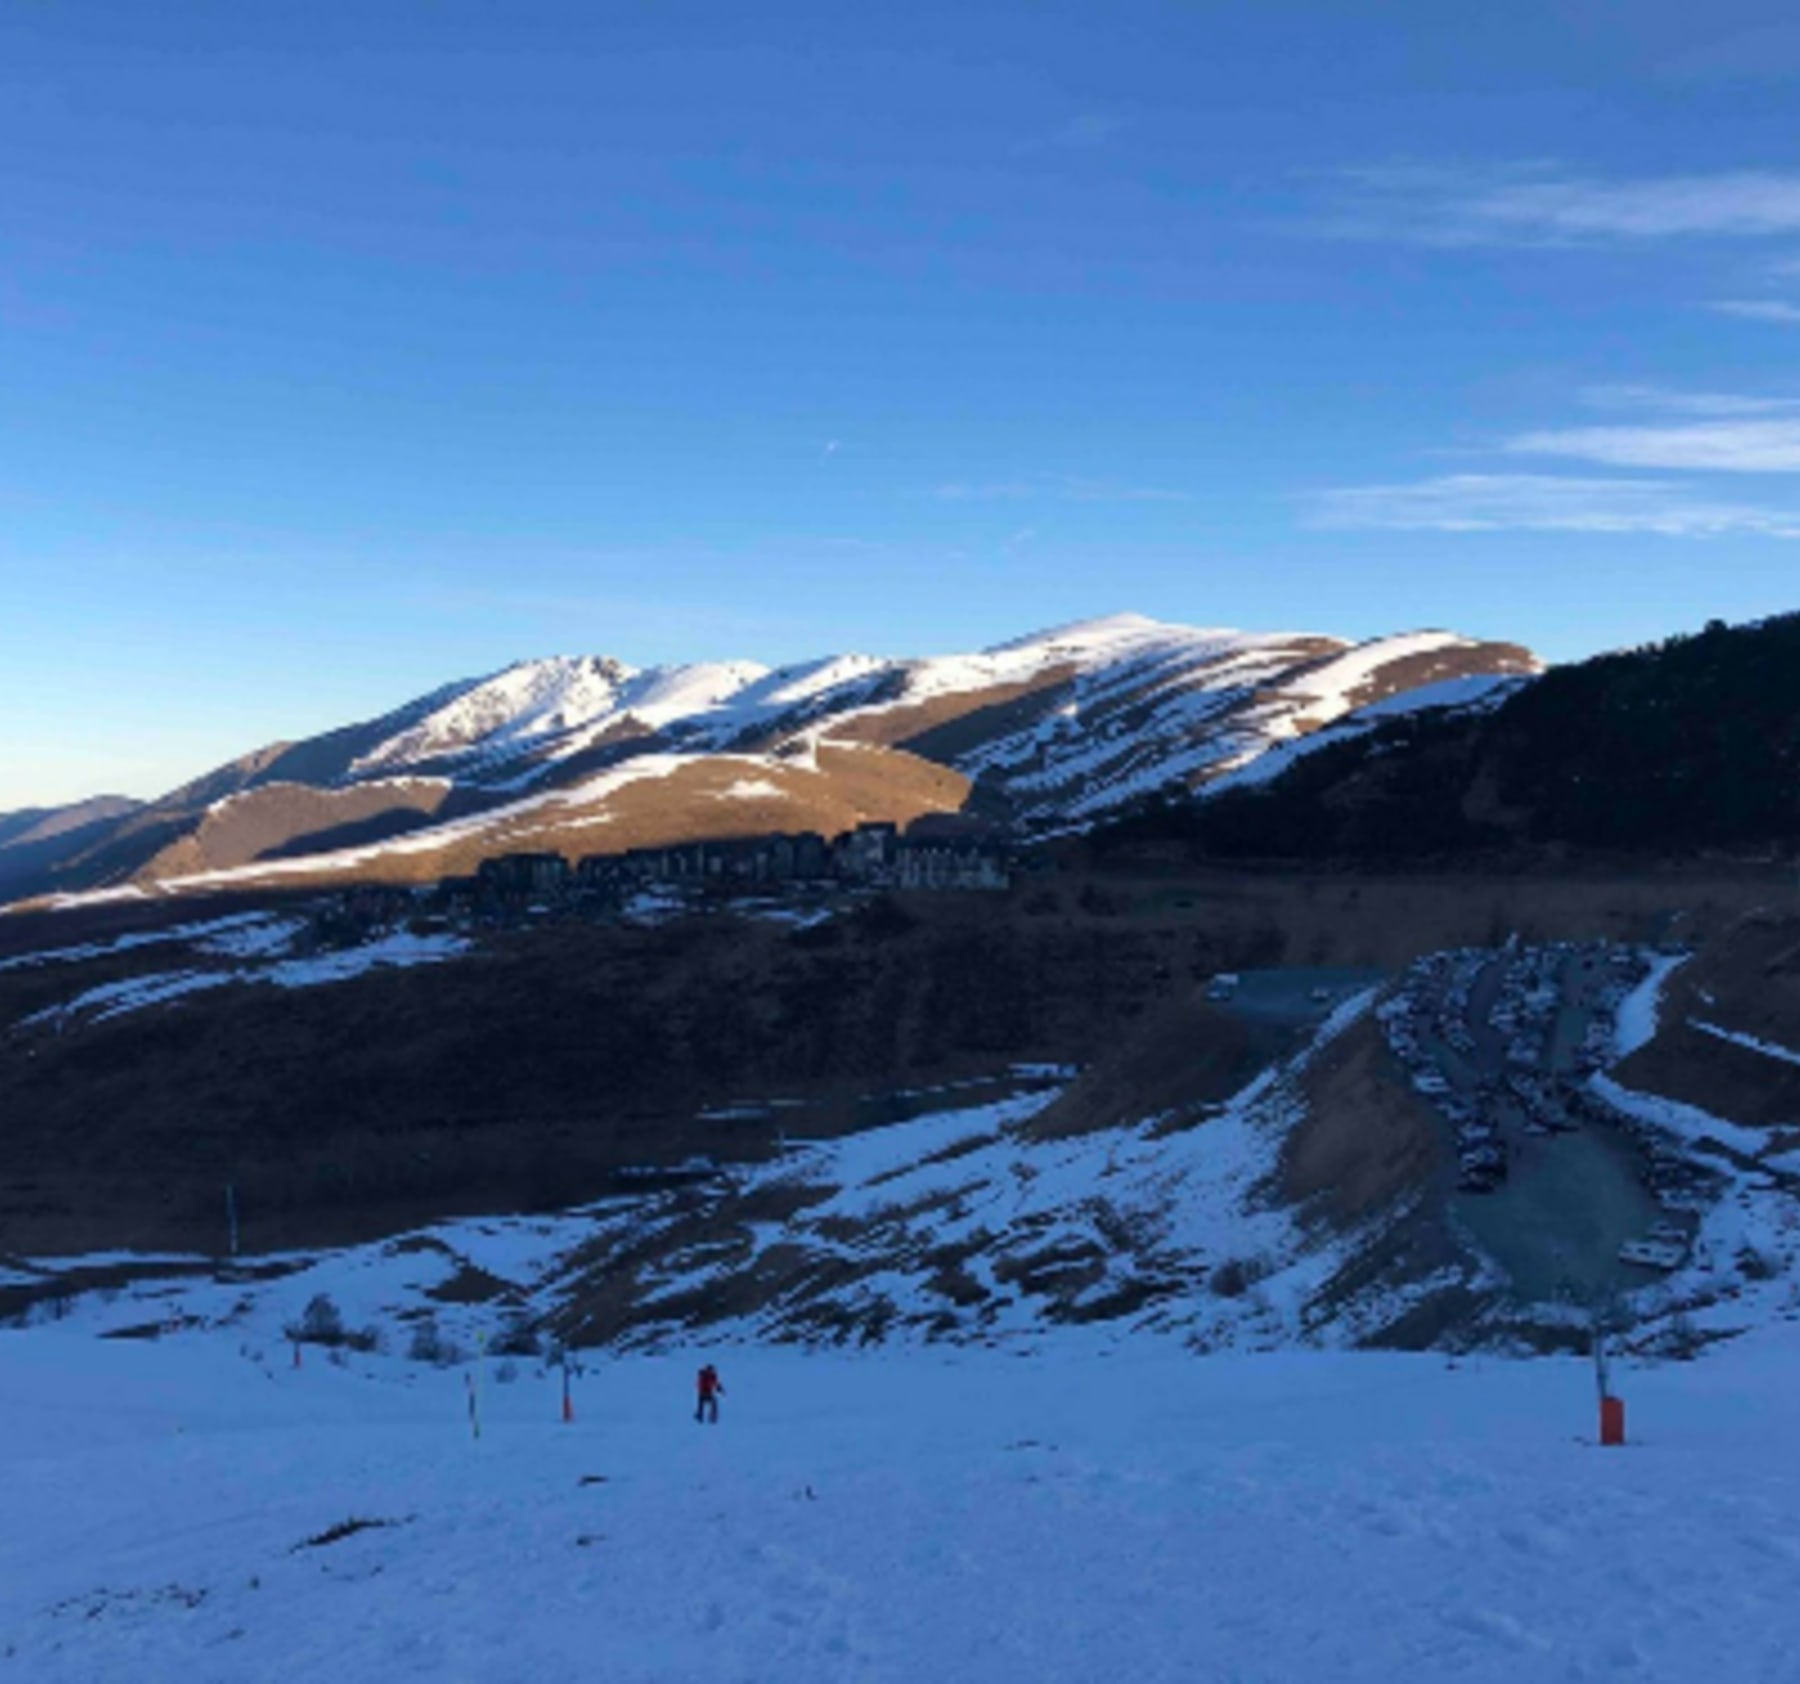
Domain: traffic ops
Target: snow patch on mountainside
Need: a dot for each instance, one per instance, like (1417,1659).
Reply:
(238,924)
(1751,1043)
(1335,684)
(114,999)
(506,713)
(1262,765)
(1639,1012)
(1475,693)
(108,1000)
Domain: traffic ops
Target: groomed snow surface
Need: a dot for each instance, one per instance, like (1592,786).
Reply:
(894,1516)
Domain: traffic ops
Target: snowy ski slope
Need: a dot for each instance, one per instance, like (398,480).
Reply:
(180,1511)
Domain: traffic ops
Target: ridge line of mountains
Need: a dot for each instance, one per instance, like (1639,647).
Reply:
(580,754)
(1303,747)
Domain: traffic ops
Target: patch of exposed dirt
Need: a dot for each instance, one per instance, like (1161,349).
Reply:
(1746,982)
(1181,1058)
(1367,1138)
(472,1285)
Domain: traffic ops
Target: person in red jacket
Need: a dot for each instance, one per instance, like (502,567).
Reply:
(711,1388)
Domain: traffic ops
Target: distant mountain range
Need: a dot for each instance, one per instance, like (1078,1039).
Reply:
(587,755)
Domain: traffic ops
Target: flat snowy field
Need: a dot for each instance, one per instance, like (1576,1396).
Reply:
(917,1515)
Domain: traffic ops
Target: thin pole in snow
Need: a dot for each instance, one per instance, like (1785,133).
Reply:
(473,1380)
(231,1223)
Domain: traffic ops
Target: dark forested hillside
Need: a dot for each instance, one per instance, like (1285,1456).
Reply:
(1690,743)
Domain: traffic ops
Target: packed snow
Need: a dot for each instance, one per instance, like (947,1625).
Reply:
(1687,1123)
(260,938)
(393,951)
(193,1507)
(507,713)
(1640,1010)
(1335,682)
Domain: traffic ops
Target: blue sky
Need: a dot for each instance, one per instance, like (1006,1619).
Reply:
(346,349)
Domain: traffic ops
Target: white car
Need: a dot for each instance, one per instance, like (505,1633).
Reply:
(1652,1254)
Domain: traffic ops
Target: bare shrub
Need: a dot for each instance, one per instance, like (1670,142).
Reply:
(518,1338)
(1234,1277)
(429,1345)
(1755,1265)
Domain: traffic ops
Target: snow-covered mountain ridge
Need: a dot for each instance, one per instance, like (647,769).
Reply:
(1169,688)
(1047,731)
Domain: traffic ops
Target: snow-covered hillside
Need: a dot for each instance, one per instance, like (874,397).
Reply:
(194,1508)
(1051,730)
(1128,703)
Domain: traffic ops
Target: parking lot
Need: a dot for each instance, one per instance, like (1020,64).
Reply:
(1550,1183)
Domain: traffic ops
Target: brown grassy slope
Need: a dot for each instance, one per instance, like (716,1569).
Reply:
(1367,1138)
(1747,980)
(1411,672)
(698,801)
(942,727)
(1180,1058)
(277,817)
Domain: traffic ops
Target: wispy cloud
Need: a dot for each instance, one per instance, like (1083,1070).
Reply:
(1546,503)
(1538,204)
(1760,310)
(1069,487)
(982,491)
(1734,445)
(1665,401)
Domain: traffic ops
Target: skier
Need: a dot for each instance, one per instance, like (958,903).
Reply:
(710,1389)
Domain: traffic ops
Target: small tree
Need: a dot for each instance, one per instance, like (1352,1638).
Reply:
(430,1345)
(321,1322)
(517,1337)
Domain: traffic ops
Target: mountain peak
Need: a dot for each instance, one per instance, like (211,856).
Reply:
(1103,629)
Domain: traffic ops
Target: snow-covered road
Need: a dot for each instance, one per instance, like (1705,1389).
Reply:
(895,1515)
